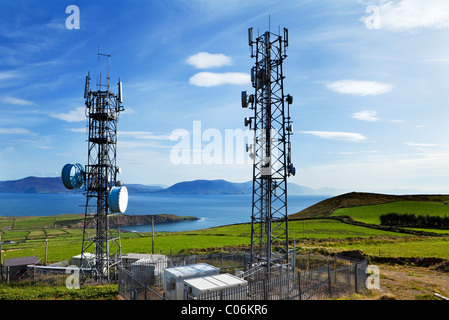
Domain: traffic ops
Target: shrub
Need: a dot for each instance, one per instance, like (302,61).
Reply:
(414,221)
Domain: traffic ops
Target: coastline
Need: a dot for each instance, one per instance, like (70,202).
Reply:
(137,220)
(76,220)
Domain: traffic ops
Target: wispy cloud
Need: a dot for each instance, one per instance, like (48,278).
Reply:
(76,115)
(407,15)
(416,144)
(15,131)
(145,135)
(79,130)
(353,152)
(5,75)
(341,136)
(366,115)
(17,101)
(211,79)
(359,88)
(204,60)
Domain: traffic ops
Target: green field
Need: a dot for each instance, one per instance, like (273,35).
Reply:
(338,225)
(408,247)
(26,236)
(323,235)
(371,214)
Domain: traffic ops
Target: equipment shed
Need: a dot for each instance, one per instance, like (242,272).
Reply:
(13,268)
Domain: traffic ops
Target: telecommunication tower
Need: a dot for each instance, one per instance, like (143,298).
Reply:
(271,150)
(105,195)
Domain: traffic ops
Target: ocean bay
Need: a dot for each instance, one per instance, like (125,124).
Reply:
(212,210)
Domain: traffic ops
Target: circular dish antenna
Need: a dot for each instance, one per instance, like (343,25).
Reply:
(73,176)
(118,199)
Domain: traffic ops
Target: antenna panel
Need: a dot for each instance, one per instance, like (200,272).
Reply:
(286,37)
(244,99)
(120,94)
(86,86)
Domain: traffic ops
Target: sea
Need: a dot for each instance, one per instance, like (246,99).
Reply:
(212,210)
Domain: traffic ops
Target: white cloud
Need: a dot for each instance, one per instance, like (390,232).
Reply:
(5,75)
(354,152)
(204,60)
(210,79)
(145,135)
(80,130)
(342,136)
(383,172)
(359,88)
(76,115)
(406,15)
(14,131)
(17,101)
(366,115)
(415,144)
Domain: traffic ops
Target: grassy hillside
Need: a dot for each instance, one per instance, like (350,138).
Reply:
(344,224)
(326,207)
(319,228)
(371,214)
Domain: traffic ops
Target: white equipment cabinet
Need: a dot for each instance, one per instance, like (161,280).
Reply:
(234,287)
(174,277)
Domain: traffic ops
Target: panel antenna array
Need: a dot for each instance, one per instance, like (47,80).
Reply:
(105,196)
(271,150)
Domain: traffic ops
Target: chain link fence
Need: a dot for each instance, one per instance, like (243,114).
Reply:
(315,284)
(313,278)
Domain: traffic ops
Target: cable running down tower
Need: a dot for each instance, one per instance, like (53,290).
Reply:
(105,196)
(271,149)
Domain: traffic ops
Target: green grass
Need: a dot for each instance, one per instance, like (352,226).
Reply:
(65,242)
(327,228)
(407,247)
(28,291)
(370,214)
(180,242)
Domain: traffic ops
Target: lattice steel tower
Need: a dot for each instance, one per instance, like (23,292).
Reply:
(105,196)
(271,151)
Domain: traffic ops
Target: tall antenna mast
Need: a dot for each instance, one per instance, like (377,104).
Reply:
(105,195)
(109,66)
(271,151)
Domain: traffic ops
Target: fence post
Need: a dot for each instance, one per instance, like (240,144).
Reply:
(299,285)
(265,289)
(330,279)
(356,277)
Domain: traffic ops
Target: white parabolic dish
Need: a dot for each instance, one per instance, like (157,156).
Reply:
(118,199)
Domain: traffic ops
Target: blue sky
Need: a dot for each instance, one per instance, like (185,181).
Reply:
(369,79)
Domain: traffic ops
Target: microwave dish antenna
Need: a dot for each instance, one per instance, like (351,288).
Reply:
(106,197)
(271,149)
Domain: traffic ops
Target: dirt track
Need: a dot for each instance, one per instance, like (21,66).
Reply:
(410,283)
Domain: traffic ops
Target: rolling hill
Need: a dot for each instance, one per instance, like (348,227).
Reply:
(354,199)
(34,185)
(209,187)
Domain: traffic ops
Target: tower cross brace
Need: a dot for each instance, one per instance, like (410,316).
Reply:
(271,149)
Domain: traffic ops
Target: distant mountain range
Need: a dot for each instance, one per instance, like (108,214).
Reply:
(54,185)
(34,185)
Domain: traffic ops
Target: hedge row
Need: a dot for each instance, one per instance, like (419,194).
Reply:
(414,221)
